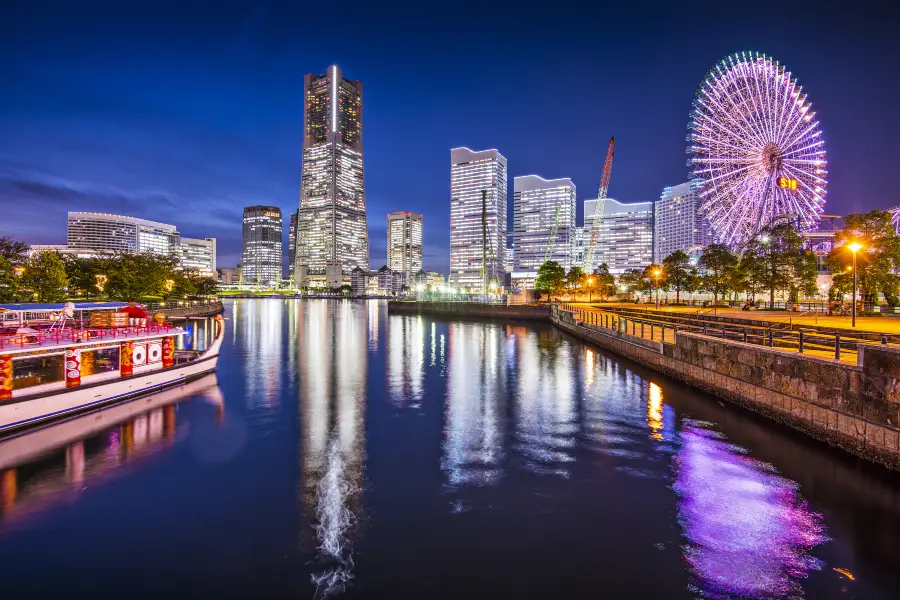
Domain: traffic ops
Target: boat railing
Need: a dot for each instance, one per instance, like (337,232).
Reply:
(46,337)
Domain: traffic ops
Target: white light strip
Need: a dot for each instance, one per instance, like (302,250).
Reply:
(334,98)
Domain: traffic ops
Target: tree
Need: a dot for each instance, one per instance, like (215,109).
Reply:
(677,273)
(879,257)
(85,273)
(9,283)
(574,278)
(13,251)
(551,278)
(604,281)
(778,260)
(716,264)
(45,276)
(134,276)
(630,280)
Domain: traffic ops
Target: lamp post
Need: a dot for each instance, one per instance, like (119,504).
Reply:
(590,281)
(854,248)
(656,274)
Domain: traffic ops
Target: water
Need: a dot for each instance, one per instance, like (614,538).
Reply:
(342,452)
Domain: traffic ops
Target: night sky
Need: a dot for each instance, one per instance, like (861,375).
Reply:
(185,112)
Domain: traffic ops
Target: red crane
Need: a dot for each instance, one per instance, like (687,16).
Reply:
(601,206)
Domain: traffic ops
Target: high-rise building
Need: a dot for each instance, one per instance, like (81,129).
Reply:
(471,174)
(404,243)
(292,242)
(625,234)
(101,232)
(261,248)
(678,222)
(580,244)
(331,223)
(543,220)
(199,255)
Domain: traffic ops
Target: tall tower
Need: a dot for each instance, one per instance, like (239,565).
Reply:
(404,243)
(261,249)
(679,223)
(331,221)
(472,173)
(543,222)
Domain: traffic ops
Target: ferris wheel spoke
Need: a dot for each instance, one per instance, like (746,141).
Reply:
(722,111)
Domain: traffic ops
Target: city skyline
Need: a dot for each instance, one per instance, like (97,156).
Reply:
(196,129)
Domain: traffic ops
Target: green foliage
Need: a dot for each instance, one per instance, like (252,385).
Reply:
(45,277)
(716,265)
(678,273)
(603,282)
(551,278)
(16,253)
(574,277)
(879,257)
(8,281)
(777,260)
(630,280)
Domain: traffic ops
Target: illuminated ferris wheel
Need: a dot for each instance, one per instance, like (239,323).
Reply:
(757,147)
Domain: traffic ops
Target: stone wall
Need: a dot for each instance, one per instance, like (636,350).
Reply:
(475,310)
(856,408)
(205,310)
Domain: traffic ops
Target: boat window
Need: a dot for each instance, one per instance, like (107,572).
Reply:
(100,360)
(35,370)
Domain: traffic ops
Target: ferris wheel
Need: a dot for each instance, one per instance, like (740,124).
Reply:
(757,148)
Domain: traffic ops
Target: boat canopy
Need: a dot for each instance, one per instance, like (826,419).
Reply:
(29,307)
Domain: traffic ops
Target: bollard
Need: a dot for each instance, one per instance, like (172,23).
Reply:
(801,341)
(884,339)
(837,346)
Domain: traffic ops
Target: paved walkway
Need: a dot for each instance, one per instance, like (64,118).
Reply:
(888,325)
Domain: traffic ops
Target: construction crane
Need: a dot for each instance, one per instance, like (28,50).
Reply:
(551,241)
(601,206)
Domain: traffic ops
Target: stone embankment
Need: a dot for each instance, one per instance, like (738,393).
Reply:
(474,310)
(854,407)
(201,310)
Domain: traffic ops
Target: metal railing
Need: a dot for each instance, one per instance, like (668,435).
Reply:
(837,344)
(151,306)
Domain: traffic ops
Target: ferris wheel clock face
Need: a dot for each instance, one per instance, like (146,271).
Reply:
(757,148)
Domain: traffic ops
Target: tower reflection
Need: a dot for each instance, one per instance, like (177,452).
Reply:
(258,327)
(546,409)
(749,534)
(473,419)
(406,359)
(332,356)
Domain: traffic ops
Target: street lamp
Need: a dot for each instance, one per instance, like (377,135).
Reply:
(590,282)
(656,274)
(854,248)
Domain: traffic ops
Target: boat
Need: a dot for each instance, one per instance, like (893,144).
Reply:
(56,368)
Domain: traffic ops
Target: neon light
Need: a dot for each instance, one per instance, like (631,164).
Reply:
(334,98)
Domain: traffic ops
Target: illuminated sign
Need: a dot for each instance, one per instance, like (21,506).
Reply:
(787,183)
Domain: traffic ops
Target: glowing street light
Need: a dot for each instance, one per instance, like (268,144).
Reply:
(854,248)
(100,282)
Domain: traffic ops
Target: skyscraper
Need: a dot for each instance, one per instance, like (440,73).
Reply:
(261,250)
(331,223)
(625,234)
(199,255)
(292,242)
(471,174)
(543,218)
(679,224)
(404,243)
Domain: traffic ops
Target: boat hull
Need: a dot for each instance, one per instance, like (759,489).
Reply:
(31,411)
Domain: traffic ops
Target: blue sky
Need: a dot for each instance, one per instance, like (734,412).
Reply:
(186,111)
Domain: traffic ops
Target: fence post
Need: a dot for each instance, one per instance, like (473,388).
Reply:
(884,339)
(723,332)
(801,341)
(745,336)
(642,329)
(837,346)
(771,341)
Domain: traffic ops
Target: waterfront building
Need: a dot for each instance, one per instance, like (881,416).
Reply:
(679,223)
(404,243)
(471,174)
(199,255)
(229,275)
(543,220)
(624,236)
(101,232)
(578,253)
(331,224)
(434,279)
(292,242)
(261,245)
(389,281)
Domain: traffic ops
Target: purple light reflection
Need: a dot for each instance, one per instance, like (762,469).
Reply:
(748,532)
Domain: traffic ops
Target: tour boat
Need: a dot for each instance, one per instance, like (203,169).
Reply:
(51,372)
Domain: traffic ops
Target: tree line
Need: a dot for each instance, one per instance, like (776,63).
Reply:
(52,276)
(775,263)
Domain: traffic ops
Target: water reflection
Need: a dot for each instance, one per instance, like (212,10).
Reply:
(258,327)
(474,411)
(546,410)
(749,534)
(332,356)
(406,359)
(42,468)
